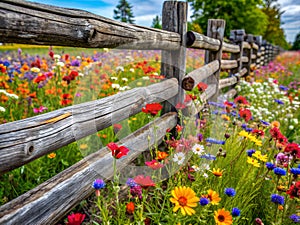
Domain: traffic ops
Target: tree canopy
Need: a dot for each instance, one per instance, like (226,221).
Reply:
(296,45)
(156,22)
(257,17)
(123,12)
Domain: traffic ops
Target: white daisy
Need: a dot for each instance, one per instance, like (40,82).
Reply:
(179,158)
(198,149)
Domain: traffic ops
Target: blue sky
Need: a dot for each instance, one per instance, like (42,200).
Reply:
(144,11)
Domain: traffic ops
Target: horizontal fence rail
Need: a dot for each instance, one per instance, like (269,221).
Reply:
(48,202)
(25,140)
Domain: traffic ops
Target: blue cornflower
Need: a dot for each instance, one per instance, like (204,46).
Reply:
(279,171)
(244,126)
(270,166)
(98,184)
(295,218)
(75,63)
(249,129)
(217,104)
(299,166)
(230,192)
(215,112)
(215,141)
(233,113)
(208,157)
(295,171)
(236,212)
(265,122)
(283,88)
(277,199)
(131,183)
(279,101)
(204,201)
(250,152)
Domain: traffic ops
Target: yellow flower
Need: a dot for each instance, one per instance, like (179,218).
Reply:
(213,197)
(184,199)
(223,217)
(52,155)
(244,133)
(253,162)
(83,146)
(259,156)
(225,117)
(217,172)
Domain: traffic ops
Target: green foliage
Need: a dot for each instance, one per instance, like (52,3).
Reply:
(192,26)
(156,23)
(238,14)
(123,12)
(296,45)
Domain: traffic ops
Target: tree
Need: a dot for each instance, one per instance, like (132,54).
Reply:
(274,33)
(123,12)
(156,22)
(296,45)
(239,14)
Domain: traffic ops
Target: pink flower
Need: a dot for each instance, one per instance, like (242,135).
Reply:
(40,109)
(154,164)
(75,219)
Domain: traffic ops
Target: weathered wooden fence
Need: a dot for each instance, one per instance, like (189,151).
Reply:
(26,140)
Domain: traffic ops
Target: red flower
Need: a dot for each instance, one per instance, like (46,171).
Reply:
(154,164)
(130,208)
(281,139)
(67,79)
(180,105)
(2,68)
(73,74)
(179,128)
(75,219)
(294,190)
(241,100)
(245,114)
(117,127)
(202,86)
(152,108)
(275,133)
(51,54)
(258,132)
(293,149)
(144,182)
(40,78)
(117,151)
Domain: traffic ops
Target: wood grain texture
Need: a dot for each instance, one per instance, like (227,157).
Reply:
(231,93)
(215,29)
(50,201)
(232,80)
(231,48)
(255,46)
(245,59)
(33,23)
(228,64)
(200,41)
(193,78)
(246,45)
(173,62)
(25,140)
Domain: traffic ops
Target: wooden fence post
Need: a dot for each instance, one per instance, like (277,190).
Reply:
(248,53)
(215,29)
(237,37)
(174,18)
(258,40)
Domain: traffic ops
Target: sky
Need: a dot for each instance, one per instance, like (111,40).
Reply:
(145,10)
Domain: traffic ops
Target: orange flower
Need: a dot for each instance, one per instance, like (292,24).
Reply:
(161,155)
(217,172)
(52,155)
(130,208)
(275,124)
(213,197)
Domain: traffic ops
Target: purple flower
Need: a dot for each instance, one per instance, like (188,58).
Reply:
(295,171)
(283,88)
(279,101)
(236,212)
(131,183)
(295,218)
(136,191)
(279,171)
(200,137)
(270,166)
(277,199)
(250,152)
(230,192)
(75,63)
(204,201)
(215,141)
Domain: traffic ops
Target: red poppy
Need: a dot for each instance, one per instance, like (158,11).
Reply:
(245,114)
(117,151)
(75,219)
(67,79)
(117,127)
(144,182)
(73,74)
(281,139)
(51,54)
(202,86)
(40,79)
(180,105)
(152,108)
(258,132)
(66,99)
(2,68)
(154,164)
(130,208)
(294,190)
(241,100)
(275,133)
(179,128)
(293,149)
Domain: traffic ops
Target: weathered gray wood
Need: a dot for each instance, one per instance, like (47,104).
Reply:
(255,46)
(173,63)
(196,76)
(33,23)
(253,56)
(231,48)
(200,41)
(232,80)
(215,29)
(228,64)
(245,59)
(246,45)
(50,201)
(231,93)
(25,140)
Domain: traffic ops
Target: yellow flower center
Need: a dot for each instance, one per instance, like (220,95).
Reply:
(221,218)
(182,201)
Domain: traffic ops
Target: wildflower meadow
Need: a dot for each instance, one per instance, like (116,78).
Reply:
(237,161)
